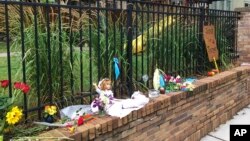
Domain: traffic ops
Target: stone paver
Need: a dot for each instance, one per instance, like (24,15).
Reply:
(222,132)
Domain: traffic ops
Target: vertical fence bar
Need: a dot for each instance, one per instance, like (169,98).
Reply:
(142,34)
(195,61)
(129,46)
(23,60)
(171,40)
(220,48)
(186,63)
(98,40)
(235,34)
(175,40)
(114,43)
(121,49)
(107,36)
(6,10)
(153,38)
(37,64)
(158,36)
(47,7)
(167,40)
(201,60)
(148,42)
(181,39)
(136,40)
(114,33)
(90,52)
(61,52)
(163,39)
(71,51)
(81,51)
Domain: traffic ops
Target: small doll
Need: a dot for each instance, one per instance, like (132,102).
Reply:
(105,97)
(104,88)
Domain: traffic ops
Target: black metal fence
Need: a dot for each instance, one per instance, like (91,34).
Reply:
(61,50)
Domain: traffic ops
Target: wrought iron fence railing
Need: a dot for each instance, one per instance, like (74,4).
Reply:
(61,50)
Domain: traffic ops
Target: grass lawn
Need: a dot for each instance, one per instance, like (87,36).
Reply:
(15,63)
(2,47)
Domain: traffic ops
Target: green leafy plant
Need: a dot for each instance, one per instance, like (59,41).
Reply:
(10,114)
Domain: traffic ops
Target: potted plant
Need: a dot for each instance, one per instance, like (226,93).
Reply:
(49,113)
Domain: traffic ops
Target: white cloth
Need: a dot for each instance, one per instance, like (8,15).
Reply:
(74,111)
(121,108)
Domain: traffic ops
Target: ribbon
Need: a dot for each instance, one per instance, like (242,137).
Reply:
(116,68)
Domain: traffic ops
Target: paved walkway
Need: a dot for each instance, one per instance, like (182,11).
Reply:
(222,132)
(11,54)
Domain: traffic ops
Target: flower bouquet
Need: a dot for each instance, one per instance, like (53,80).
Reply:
(49,113)
(101,104)
(10,113)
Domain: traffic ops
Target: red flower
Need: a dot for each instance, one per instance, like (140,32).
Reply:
(80,121)
(4,83)
(25,89)
(22,86)
(17,85)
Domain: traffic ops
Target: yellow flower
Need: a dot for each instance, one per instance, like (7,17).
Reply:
(14,115)
(51,110)
(72,129)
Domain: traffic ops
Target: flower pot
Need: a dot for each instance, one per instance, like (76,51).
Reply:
(49,119)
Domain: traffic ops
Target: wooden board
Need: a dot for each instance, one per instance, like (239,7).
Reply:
(210,41)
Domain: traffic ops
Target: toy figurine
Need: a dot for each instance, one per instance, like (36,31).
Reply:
(105,98)
(104,88)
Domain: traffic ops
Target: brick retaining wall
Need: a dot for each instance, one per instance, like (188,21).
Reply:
(178,116)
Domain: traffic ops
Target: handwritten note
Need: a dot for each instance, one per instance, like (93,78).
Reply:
(210,41)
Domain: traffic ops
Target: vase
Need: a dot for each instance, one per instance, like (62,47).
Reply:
(102,113)
(49,119)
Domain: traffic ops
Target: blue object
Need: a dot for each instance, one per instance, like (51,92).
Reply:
(191,80)
(49,119)
(116,68)
(162,82)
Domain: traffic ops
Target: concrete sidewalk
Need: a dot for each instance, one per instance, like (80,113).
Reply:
(222,132)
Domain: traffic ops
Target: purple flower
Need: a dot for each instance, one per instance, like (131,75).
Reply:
(98,103)
(178,79)
(167,77)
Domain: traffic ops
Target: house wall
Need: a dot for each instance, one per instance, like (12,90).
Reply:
(244,35)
